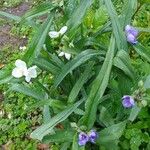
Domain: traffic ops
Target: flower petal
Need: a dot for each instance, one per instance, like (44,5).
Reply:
(53,34)
(63,30)
(28,78)
(17,72)
(32,72)
(68,56)
(61,54)
(20,64)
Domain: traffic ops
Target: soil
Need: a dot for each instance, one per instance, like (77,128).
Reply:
(6,38)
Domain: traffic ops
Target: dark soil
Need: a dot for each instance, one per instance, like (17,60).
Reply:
(6,38)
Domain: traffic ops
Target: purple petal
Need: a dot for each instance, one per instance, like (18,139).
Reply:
(131,38)
(92,136)
(127,101)
(83,138)
(131,30)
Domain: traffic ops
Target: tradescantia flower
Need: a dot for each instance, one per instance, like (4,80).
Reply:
(92,136)
(127,101)
(55,34)
(21,70)
(131,34)
(83,138)
(67,55)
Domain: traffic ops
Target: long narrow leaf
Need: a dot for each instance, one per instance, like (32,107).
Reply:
(77,87)
(122,61)
(77,61)
(120,37)
(28,91)
(78,14)
(141,50)
(38,41)
(98,87)
(45,129)
(39,10)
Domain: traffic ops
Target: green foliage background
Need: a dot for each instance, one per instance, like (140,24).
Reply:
(89,28)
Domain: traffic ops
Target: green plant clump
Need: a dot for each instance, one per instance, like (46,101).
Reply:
(85,75)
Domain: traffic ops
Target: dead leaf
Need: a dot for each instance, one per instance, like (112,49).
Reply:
(43,147)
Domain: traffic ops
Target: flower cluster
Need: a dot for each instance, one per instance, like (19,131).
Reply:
(131,34)
(21,70)
(55,34)
(128,101)
(90,137)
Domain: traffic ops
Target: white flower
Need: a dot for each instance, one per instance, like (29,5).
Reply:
(63,30)
(67,55)
(31,73)
(22,48)
(55,34)
(21,70)
(9,116)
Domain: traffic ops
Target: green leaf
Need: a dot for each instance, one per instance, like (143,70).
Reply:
(49,102)
(122,61)
(142,51)
(74,63)
(45,129)
(78,14)
(105,117)
(59,136)
(109,137)
(7,79)
(10,16)
(79,84)
(147,82)
(38,41)
(134,112)
(43,64)
(128,11)
(28,91)
(39,10)
(75,145)
(98,87)
(120,37)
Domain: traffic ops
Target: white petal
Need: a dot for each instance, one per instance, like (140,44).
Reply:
(28,78)
(32,72)
(68,56)
(54,34)
(63,30)
(61,54)
(20,64)
(17,72)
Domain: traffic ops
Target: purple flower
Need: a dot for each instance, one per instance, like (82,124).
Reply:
(131,39)
(131,30)
(83,138)
(127,101)
(131,34)
(92,136)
